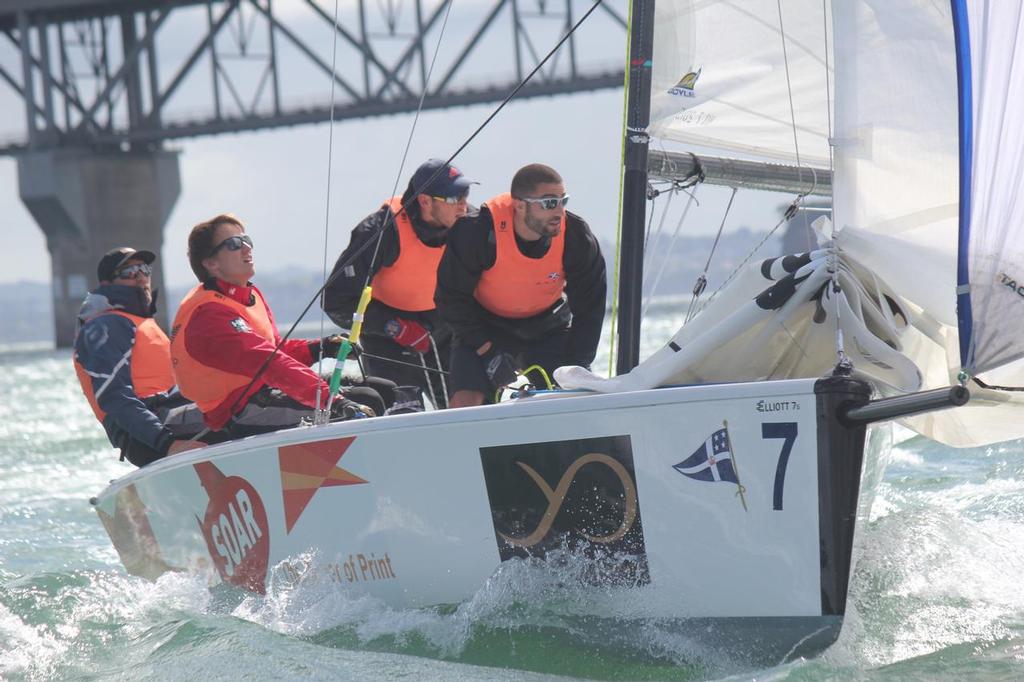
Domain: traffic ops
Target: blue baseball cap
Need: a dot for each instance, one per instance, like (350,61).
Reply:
(439,179)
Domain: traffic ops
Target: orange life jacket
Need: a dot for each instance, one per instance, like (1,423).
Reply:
(206,386)
(409,282)
(150,362)
(517,286)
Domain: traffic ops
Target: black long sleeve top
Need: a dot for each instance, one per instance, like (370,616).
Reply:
(348,279)
(472,249)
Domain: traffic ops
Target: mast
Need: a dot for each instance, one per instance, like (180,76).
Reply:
(634,182)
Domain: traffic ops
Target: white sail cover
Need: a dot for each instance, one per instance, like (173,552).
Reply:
(719,77)
(896,203)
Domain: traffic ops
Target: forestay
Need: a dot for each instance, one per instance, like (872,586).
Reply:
(720,80)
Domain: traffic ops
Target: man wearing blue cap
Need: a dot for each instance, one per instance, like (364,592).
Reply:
(403,337)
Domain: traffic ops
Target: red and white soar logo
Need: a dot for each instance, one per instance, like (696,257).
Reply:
(235,528)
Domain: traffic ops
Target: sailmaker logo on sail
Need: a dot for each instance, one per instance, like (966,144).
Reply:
(1011,283)
(684,88)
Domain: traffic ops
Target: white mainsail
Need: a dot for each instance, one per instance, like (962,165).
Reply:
(719,77)
(722,74)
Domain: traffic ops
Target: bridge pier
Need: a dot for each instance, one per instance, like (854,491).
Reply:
(88,202)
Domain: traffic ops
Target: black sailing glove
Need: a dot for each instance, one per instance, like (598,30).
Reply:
(343,408)
(501,367)
(330,345)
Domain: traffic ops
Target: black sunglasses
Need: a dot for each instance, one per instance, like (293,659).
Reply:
(232,244)
(133,271)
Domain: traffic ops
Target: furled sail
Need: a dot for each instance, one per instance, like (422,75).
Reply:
(777,320)
(720,75)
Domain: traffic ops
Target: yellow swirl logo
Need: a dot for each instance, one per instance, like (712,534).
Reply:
(556,498)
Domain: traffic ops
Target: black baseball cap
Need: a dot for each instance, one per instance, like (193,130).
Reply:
(439,179)
(115,258)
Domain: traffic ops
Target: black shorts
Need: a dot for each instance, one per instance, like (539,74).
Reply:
(467,368)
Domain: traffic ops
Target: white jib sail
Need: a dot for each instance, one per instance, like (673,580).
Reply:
(896,185)
(996,247)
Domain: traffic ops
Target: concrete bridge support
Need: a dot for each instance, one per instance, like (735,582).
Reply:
(88,202)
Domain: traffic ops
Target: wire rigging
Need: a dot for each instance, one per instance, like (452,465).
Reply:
(668,252)
(408,142)
(702,278)
(327,207)
(358,252)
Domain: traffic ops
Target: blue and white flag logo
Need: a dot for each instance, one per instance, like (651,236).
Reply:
(713,461)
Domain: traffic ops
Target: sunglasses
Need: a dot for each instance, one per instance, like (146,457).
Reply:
(133,271)
(452,201)
(547,203)
(232,244)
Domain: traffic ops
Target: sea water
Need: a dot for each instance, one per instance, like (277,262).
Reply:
(937,592)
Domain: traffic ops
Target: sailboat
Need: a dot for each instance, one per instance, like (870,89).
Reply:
(716,485)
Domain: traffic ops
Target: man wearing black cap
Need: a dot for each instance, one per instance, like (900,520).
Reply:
(123,362)
(401,328)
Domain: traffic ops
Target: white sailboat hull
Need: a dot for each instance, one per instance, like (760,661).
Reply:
(422,509)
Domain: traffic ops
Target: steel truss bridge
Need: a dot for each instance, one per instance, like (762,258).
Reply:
(129,74)
(103,84)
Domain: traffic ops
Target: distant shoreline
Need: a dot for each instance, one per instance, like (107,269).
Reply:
(28,317)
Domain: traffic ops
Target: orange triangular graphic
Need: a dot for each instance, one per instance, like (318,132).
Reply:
(307,467)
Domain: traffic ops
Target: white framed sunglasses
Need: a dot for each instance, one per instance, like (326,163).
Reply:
(547,203)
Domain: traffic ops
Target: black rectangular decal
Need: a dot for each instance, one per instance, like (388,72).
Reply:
(579,495)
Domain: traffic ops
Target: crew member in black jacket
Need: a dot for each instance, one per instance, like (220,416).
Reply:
(400,322)
(521,283)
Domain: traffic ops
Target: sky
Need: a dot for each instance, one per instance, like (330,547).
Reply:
(277,181)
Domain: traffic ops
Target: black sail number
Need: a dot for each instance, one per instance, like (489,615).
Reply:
(787,432)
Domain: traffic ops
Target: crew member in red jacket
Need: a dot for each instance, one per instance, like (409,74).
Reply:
(521,284)
(224,334)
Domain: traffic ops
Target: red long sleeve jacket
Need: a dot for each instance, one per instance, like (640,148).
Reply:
(212,339)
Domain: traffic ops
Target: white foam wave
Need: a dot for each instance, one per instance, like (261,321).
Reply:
(941,567)
(26,649)
(301,600)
